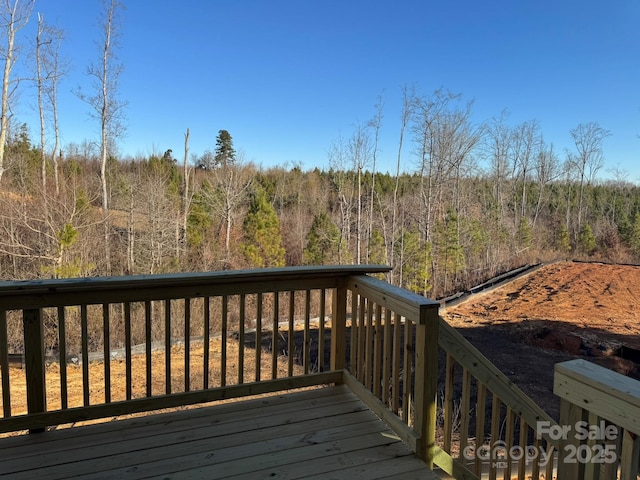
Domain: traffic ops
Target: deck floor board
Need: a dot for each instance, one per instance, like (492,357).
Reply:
(324,433)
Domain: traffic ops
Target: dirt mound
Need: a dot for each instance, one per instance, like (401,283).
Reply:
(558,312)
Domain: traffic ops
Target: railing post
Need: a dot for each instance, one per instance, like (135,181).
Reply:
(339,326)
(34,362)
(426,380)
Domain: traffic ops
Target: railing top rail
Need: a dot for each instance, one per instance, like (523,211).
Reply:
(610,395)
(406,303)
(58,292)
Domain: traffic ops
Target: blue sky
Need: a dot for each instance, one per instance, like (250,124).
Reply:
(286,78)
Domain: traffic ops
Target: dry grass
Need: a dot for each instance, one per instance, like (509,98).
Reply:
(139,379)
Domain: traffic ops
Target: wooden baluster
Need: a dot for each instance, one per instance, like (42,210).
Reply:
(629,459)
(223,341)
(406,371)
(307,332)
(206,342)
(368,349)
(106,341)
(448,403)
(550,464)
(377,352)
(609,470)
(187,344)
(522,463)
(387,359)
(4,366)
(292,333)
(592,470)
(494,435)
(480,421)
(275,336)
(509,439)
(34,362)
(535,467)
(258,337)
(127,349)
(241,320)
(397,354)
(84,321)
(570,414)
(465,411)
(147,341)
(62,342)
(321,339)
(167,346)
(353,333)
(362,307)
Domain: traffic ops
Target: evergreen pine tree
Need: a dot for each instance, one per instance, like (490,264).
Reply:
(564,240)
(224,154)
(634,237)
(323,242)
(262,245)
(586,239)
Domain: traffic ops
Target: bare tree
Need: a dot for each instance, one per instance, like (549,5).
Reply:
(375,123)
(14,16)
(360,151)
(49,70)
(547,170)
(107,108)
(498,139)
(343,187)
(232,183)
(588,139)
(185,194)
(526,141)
(405,117)
(432,145)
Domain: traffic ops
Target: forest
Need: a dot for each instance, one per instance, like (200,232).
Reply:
(446,226)
(467,200)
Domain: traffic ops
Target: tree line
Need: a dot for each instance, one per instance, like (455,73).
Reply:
(465,201)
(447,225)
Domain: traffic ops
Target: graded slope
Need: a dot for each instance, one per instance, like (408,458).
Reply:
(560,311)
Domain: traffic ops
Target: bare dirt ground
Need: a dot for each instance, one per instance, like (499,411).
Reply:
(558,312)
(138,371)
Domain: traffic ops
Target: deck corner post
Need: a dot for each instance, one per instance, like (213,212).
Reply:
(426,380)
(339,326)
(34,362)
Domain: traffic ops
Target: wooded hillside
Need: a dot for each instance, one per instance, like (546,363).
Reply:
(446,226)
(465,200)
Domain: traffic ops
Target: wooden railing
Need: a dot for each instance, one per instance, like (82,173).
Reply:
(600,422)
(103,347)
(392,352)
(487,425)
(291,328)
(241,333)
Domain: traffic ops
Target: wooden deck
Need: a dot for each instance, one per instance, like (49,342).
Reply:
(322,433)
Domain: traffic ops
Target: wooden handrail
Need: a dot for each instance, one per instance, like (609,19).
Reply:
(35,297)
(508,406)
(386,337)
(605,405)
(62,292)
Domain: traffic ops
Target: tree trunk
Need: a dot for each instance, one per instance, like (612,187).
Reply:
(185,196)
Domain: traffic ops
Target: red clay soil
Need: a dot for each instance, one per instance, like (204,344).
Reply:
(558,312)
